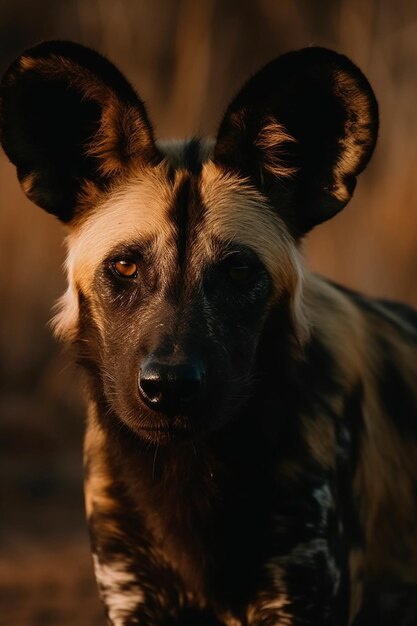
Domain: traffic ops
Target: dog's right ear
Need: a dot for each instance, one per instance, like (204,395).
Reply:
(69,118)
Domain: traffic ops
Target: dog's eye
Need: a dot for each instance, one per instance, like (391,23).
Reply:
(125,268)
(239,273)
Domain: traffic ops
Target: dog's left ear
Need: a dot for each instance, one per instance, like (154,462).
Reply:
(302,129)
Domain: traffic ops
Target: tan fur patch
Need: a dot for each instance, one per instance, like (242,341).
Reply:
(98,480)
(229,620)
(118,118)
(274,602)
(340,326)
(27,63)
(356,584)
(356,140)
(237,212)
(320,436)
(138,208)
(272,141)
(27,183)
(385,485)
(88,197)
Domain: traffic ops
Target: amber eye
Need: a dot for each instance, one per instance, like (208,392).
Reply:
(239,273)
(125,268)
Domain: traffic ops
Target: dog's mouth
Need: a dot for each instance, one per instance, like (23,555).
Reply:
(164,429)
(177,428)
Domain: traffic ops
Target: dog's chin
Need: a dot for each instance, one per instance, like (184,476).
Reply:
(167,430)
(167,436)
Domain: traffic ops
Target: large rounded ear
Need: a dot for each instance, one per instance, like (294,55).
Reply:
(68,118)
(302,129)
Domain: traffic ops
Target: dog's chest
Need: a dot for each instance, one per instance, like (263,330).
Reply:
(207,525)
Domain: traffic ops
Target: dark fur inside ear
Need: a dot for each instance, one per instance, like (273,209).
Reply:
(68,116)
(302,129)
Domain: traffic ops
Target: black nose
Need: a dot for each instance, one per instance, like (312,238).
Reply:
(171,388)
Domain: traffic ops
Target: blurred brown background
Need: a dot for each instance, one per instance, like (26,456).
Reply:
(186,58)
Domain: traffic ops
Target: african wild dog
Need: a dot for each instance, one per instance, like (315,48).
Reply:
(251,448)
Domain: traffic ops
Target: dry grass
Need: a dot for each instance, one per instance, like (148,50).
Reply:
(186,59)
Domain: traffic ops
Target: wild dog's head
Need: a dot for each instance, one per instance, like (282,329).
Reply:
(178,253)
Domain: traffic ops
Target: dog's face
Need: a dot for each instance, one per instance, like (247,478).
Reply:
(178,253)
(173,280)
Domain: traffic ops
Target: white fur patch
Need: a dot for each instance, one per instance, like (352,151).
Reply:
(323,497)
(119,590)
(64,322)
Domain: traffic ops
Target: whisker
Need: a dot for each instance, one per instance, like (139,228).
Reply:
(154,461)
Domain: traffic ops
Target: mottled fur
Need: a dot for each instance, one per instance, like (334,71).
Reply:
(284,492)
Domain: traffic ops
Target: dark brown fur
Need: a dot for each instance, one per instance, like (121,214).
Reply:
(251,453)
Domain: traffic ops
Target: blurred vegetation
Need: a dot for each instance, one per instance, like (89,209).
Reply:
(186,58)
